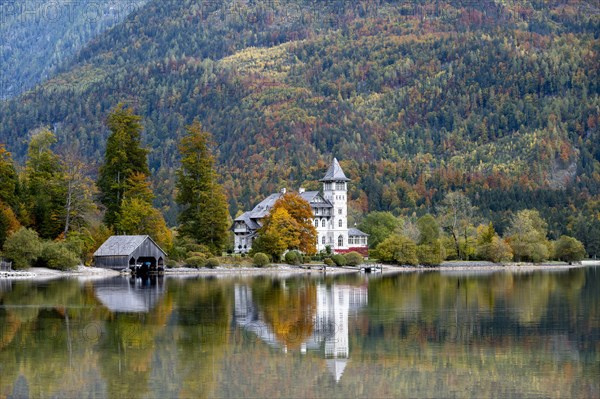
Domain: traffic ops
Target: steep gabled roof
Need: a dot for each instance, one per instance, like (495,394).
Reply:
(315,199)
(122,245)
(334,173)
(246,218)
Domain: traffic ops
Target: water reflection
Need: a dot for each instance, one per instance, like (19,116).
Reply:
(130,294)
(328,323)
(416,335)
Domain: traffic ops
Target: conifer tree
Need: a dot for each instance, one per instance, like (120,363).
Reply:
(8,178)
(138,216)
(123,158)
(204,214)
(45,190)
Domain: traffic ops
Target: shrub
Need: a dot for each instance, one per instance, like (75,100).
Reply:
(57,255)
(397,249)
(339,259)
(23,248)
(197,261)
(171,263)
(292,258)
(329,262)
(178,253)
(260,259)
(211,263)
(306,259)
(569,249)
(353,259)
(430,254)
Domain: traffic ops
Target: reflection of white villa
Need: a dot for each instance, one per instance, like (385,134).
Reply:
(330,324)
(330,211)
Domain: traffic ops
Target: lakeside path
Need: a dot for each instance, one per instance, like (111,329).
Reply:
(85,272)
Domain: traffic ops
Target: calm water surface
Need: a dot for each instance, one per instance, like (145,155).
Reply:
(432,334)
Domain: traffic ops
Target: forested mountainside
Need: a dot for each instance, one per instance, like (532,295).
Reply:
(497,98)
(38,36)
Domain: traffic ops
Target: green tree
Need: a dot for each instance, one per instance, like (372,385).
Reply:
(526,236)
(123,158)
(379,226)
(430,251)
(45,189)
(204,214)
(397,249)
(8,178)
(23,248)
(138,216)
(569,249)
(491,247)
(429,230)
(57,255)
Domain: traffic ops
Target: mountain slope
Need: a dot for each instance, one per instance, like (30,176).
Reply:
(37,37)
(415,98)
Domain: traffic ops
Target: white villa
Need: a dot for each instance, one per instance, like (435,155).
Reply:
(330,211)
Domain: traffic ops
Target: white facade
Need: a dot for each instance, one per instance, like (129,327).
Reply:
(330,216)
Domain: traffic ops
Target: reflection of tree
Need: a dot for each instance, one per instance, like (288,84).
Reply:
(43,338)
(127,347)
(289,307)
(201,333)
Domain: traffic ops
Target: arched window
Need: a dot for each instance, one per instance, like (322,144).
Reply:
(316,222)
(340,241)
(323,223)
(340,223)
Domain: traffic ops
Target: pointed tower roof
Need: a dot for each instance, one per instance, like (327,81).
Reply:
(334,173)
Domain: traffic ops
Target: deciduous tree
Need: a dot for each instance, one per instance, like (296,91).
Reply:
(568,249)
(300,210)
(456,213)
(526,236)
(379,226)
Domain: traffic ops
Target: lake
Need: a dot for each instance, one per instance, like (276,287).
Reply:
(422,334)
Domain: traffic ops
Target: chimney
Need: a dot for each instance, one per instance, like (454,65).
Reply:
(301,190)
(283,190)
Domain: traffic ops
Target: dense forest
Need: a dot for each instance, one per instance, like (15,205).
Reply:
(38,36)
(417,99)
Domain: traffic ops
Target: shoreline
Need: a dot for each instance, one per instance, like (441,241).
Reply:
(86,272)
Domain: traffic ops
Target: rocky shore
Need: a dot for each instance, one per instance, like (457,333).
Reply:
(87,272)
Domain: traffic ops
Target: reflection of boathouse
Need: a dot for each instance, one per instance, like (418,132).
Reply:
(129,294)
(330,324)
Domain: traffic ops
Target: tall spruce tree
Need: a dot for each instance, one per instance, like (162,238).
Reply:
(45,190)
(123,158)
(204,214)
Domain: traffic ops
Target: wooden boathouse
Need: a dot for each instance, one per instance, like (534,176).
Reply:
(138,253)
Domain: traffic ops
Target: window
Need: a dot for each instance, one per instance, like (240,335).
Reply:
(340,211)
(323,223)
(340,241)
(340,223)
(323,240)
(316,222)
